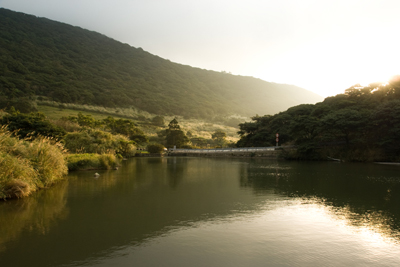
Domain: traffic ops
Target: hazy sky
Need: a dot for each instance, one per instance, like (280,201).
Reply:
(324,46)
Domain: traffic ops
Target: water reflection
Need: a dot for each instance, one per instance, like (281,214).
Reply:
(155,206)
(364,195)
(38,214)
(175,170)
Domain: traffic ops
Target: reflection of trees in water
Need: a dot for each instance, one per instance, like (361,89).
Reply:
(146,198)
(175,170)
(365,195)
(35,213)
(170,169)
(262,175)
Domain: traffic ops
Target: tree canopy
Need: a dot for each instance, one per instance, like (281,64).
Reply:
(175,136)
(361,124)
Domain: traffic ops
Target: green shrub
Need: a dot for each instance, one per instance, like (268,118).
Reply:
(155,148)
(100,142)
(67,125)
(126,148)
(108,161)
(82,161)
(89,161)
(158,120)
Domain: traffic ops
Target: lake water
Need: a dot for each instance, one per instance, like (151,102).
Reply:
(187,211)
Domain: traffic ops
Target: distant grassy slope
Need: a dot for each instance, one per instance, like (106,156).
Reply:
(198,127)
(72,65)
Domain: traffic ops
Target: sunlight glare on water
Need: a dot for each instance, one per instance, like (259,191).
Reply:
(286,232)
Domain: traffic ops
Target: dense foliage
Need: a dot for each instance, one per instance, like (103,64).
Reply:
(115,126)
(31,125)
(174,136)
(219,137)
(21,104)
(155,148)
(88,161)
(158,120)
(100,142)
(361,124)
(68,64)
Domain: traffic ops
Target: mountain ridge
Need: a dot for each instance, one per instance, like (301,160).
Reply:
(64,63)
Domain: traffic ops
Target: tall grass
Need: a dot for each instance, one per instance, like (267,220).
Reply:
(48,159)
(26,166)
(18,178)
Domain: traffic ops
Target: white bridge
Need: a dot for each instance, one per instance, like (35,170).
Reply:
(223,150)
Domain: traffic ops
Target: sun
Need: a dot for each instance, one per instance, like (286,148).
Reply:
(332,63)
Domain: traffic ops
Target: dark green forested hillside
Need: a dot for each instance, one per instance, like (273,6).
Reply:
(40,57)
(363,124)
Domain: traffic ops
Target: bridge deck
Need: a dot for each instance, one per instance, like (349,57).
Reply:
(222,150)
(264,152)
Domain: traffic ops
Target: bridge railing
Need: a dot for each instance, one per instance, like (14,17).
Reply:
(222,150)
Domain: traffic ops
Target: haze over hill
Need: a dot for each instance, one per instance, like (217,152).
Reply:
(73,65)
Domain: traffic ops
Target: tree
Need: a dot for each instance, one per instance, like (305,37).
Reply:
(125,127)
(200,142)
(343,124)
(219,138)
(174,135)
(386,126)
(219,135)
(120,126)
(87,120)
(139,137)
(23,104)
(158,120)
(174,125)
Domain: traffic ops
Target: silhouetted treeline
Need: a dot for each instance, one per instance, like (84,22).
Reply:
(363,124)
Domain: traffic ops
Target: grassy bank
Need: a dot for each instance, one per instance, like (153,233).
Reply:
(26,166)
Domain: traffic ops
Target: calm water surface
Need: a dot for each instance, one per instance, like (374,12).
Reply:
(210,212)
